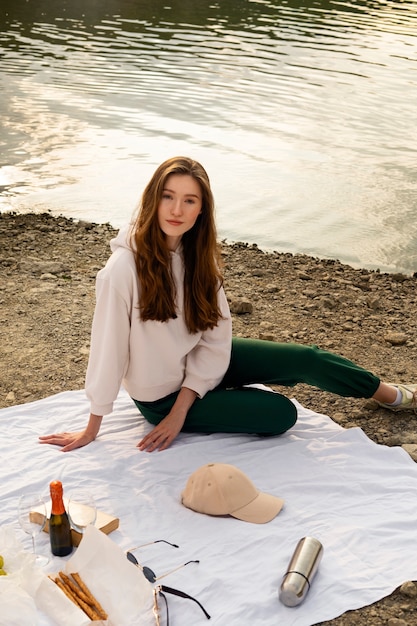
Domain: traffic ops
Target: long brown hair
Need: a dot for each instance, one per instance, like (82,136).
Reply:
(202,277)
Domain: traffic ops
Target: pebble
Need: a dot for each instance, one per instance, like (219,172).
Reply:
(411,449)
(395,338)
(48,276)
(409,589)
(241,307)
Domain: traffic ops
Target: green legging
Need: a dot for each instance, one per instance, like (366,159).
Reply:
(233,408)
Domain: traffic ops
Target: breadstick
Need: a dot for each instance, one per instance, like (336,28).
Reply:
(74,593)
(75,588)
(67,591)
(90,611)
(88,593)
(86,606)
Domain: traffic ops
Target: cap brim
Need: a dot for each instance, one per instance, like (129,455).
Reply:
(261,510)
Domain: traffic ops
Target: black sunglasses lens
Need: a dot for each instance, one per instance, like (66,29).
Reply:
(149,574)
(131,557)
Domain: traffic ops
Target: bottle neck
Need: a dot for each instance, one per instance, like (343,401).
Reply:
(58,507)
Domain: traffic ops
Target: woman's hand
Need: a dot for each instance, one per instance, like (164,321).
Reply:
(165,432)
(71,441)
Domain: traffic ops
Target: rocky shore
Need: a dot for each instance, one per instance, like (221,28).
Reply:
(47,272)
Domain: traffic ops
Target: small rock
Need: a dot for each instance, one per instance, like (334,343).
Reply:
(266,325)
(408,438)
(409,589)
(370,405)
(328,303)
(374,302)
(240,307)
(411,449)
(398,277)
(44,267)
(266,337)
(11,397)
(271,288)
(304,276)
(48,276)
(340,418)
(395,338)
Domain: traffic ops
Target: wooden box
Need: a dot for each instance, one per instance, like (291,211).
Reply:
(104,522)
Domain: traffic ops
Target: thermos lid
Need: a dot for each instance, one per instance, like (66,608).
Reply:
(293,589)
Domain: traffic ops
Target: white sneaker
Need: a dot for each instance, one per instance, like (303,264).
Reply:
(408,401)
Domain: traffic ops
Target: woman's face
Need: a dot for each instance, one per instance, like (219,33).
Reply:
(179,207)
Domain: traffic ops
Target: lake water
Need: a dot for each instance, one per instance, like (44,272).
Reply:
(302,112)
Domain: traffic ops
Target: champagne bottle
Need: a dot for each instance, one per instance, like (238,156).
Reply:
(59,525)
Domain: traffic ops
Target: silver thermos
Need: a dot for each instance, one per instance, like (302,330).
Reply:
(301,571)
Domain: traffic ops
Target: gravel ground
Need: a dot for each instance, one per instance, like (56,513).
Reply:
(47,271)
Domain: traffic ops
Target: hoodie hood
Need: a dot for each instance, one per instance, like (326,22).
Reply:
(123,239)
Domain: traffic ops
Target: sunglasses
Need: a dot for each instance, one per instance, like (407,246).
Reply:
(147,572)
(161,590)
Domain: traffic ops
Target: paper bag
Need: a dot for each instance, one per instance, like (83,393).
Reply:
(26,590)
(119,586)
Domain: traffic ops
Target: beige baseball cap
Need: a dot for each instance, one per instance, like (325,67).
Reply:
(222,489)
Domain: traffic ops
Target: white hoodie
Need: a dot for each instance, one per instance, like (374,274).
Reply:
(151,359)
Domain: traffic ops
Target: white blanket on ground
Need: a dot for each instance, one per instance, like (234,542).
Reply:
(358,498)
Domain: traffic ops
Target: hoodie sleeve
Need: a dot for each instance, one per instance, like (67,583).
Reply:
(109,351)
(208,361)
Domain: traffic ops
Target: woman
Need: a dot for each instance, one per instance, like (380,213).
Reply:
(162,327)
